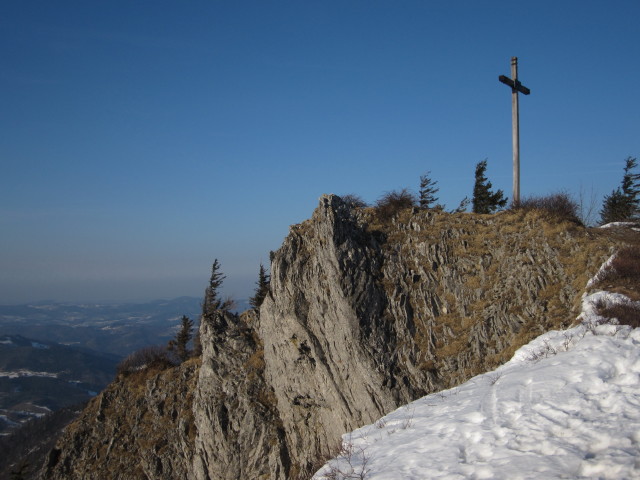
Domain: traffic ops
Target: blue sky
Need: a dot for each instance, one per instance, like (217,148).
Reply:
(141,140)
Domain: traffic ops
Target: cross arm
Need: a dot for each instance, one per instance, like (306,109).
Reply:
(515,85)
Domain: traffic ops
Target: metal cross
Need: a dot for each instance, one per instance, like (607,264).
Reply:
(516,87)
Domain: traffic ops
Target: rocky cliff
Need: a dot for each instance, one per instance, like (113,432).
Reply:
(364,314)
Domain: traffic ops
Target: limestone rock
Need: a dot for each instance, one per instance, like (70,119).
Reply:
(140,427)
(363,315)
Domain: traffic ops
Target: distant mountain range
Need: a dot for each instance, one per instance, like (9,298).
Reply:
(38,377)
(54,355)
(113,329)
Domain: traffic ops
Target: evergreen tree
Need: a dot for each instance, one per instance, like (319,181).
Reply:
(212,300)
(182,338)
(631,182)
(197,344)
(428,191)
(262,288)
(623,204)
(484,200)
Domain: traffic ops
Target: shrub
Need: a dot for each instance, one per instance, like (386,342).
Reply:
(392,202)
(354,201)
(147,357)
(558,206)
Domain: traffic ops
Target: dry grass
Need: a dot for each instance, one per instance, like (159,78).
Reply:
(626,314)
(555,207)
(145,358)
(623,273)
(256,360)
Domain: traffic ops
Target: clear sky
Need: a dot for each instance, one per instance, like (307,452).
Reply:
(141,140)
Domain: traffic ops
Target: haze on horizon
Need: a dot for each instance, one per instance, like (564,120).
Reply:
(142,141)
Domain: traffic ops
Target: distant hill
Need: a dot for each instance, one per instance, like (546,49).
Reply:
(38,377)
(114,329)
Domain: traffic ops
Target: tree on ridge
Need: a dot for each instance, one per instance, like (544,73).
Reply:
(484,200)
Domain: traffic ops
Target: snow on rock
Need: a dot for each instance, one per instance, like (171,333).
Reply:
(602,272)
(566,406)
(619,225)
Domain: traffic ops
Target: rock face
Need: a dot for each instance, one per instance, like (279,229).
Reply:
(240,434)
(364,314)
(141,426)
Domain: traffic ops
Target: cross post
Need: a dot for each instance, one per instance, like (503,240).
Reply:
(516,87)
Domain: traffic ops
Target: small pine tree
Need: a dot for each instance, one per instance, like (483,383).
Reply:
(182,338)
(631,182)
(428,191)
(615,208)
(623,204)
(212,300)
(262,288)
(484,200)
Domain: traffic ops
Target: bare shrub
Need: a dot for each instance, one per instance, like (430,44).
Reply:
(557,206)
(545,351)
(153,356)
(354,201)
(587,206)
(354,467)
(317,463)
(393,202)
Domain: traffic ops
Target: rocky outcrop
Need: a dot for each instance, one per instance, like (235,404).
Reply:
(141,426)
(240,434)
(364,314)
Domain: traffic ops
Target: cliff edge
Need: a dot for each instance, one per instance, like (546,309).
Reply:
(364,314)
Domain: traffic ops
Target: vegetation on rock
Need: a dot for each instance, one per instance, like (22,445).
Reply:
(484,199)
(623,204)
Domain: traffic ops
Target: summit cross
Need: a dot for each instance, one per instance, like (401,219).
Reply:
(516,87)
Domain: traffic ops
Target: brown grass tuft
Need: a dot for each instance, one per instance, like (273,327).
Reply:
(626,314)
(623,273)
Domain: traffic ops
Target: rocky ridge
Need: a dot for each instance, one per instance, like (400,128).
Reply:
(363,315)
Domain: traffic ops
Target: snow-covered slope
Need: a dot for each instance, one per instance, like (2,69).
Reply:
(566,406)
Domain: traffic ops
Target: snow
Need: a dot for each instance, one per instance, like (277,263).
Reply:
(602,272)
(567,405)
(23,372)
(40,346)
(619,225)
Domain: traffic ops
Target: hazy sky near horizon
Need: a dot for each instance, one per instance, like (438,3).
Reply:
(142,140)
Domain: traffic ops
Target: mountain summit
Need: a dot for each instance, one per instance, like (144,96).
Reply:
(365,313)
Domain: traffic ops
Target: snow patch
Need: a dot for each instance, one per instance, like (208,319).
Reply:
(619,225)
(565,406)
(23,372)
